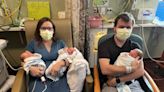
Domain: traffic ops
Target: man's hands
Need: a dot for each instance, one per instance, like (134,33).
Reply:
(135,64)
(111,82)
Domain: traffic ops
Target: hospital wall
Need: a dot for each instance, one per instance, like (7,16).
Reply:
(55,7)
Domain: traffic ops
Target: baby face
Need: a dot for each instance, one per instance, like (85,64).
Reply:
(70,50)
(27,54)
(133,53)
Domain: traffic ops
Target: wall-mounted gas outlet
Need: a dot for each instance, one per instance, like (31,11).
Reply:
(109,9)
(105,10)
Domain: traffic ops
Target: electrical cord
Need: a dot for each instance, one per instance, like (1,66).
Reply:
(160,79)
(8,62)
(34,86)
(45,85)
(14,11)
(45,88)
(127,4)
(43,81)
(19,10)
(9,13)
(146,49)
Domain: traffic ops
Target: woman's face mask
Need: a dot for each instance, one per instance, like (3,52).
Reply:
(46,34)
(123,33)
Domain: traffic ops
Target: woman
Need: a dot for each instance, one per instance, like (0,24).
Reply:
(47,45)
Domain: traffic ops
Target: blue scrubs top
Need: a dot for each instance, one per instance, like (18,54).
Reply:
(47,57)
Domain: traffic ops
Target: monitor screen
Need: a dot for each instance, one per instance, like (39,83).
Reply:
(160,10)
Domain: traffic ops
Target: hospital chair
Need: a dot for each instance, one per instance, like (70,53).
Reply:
(64,32)
(147,78)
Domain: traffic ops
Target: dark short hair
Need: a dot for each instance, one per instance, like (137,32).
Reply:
(37,31)
(125,17)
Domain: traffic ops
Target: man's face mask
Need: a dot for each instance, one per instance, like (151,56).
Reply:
(46,34)
(123,33)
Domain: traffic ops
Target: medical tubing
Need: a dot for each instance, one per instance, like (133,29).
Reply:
(9,63)
(45,87)
(34,86)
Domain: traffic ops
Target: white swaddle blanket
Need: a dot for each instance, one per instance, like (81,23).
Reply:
(124,59)
(62,55)
(33,60)
(77,72)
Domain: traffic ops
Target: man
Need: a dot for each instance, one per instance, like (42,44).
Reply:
(109,50)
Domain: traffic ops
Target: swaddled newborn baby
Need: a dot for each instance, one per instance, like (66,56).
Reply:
(77,70)
(31,59)
(65,54)
(126,59)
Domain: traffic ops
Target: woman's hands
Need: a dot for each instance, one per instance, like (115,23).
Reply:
(56,67)
(37,71)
